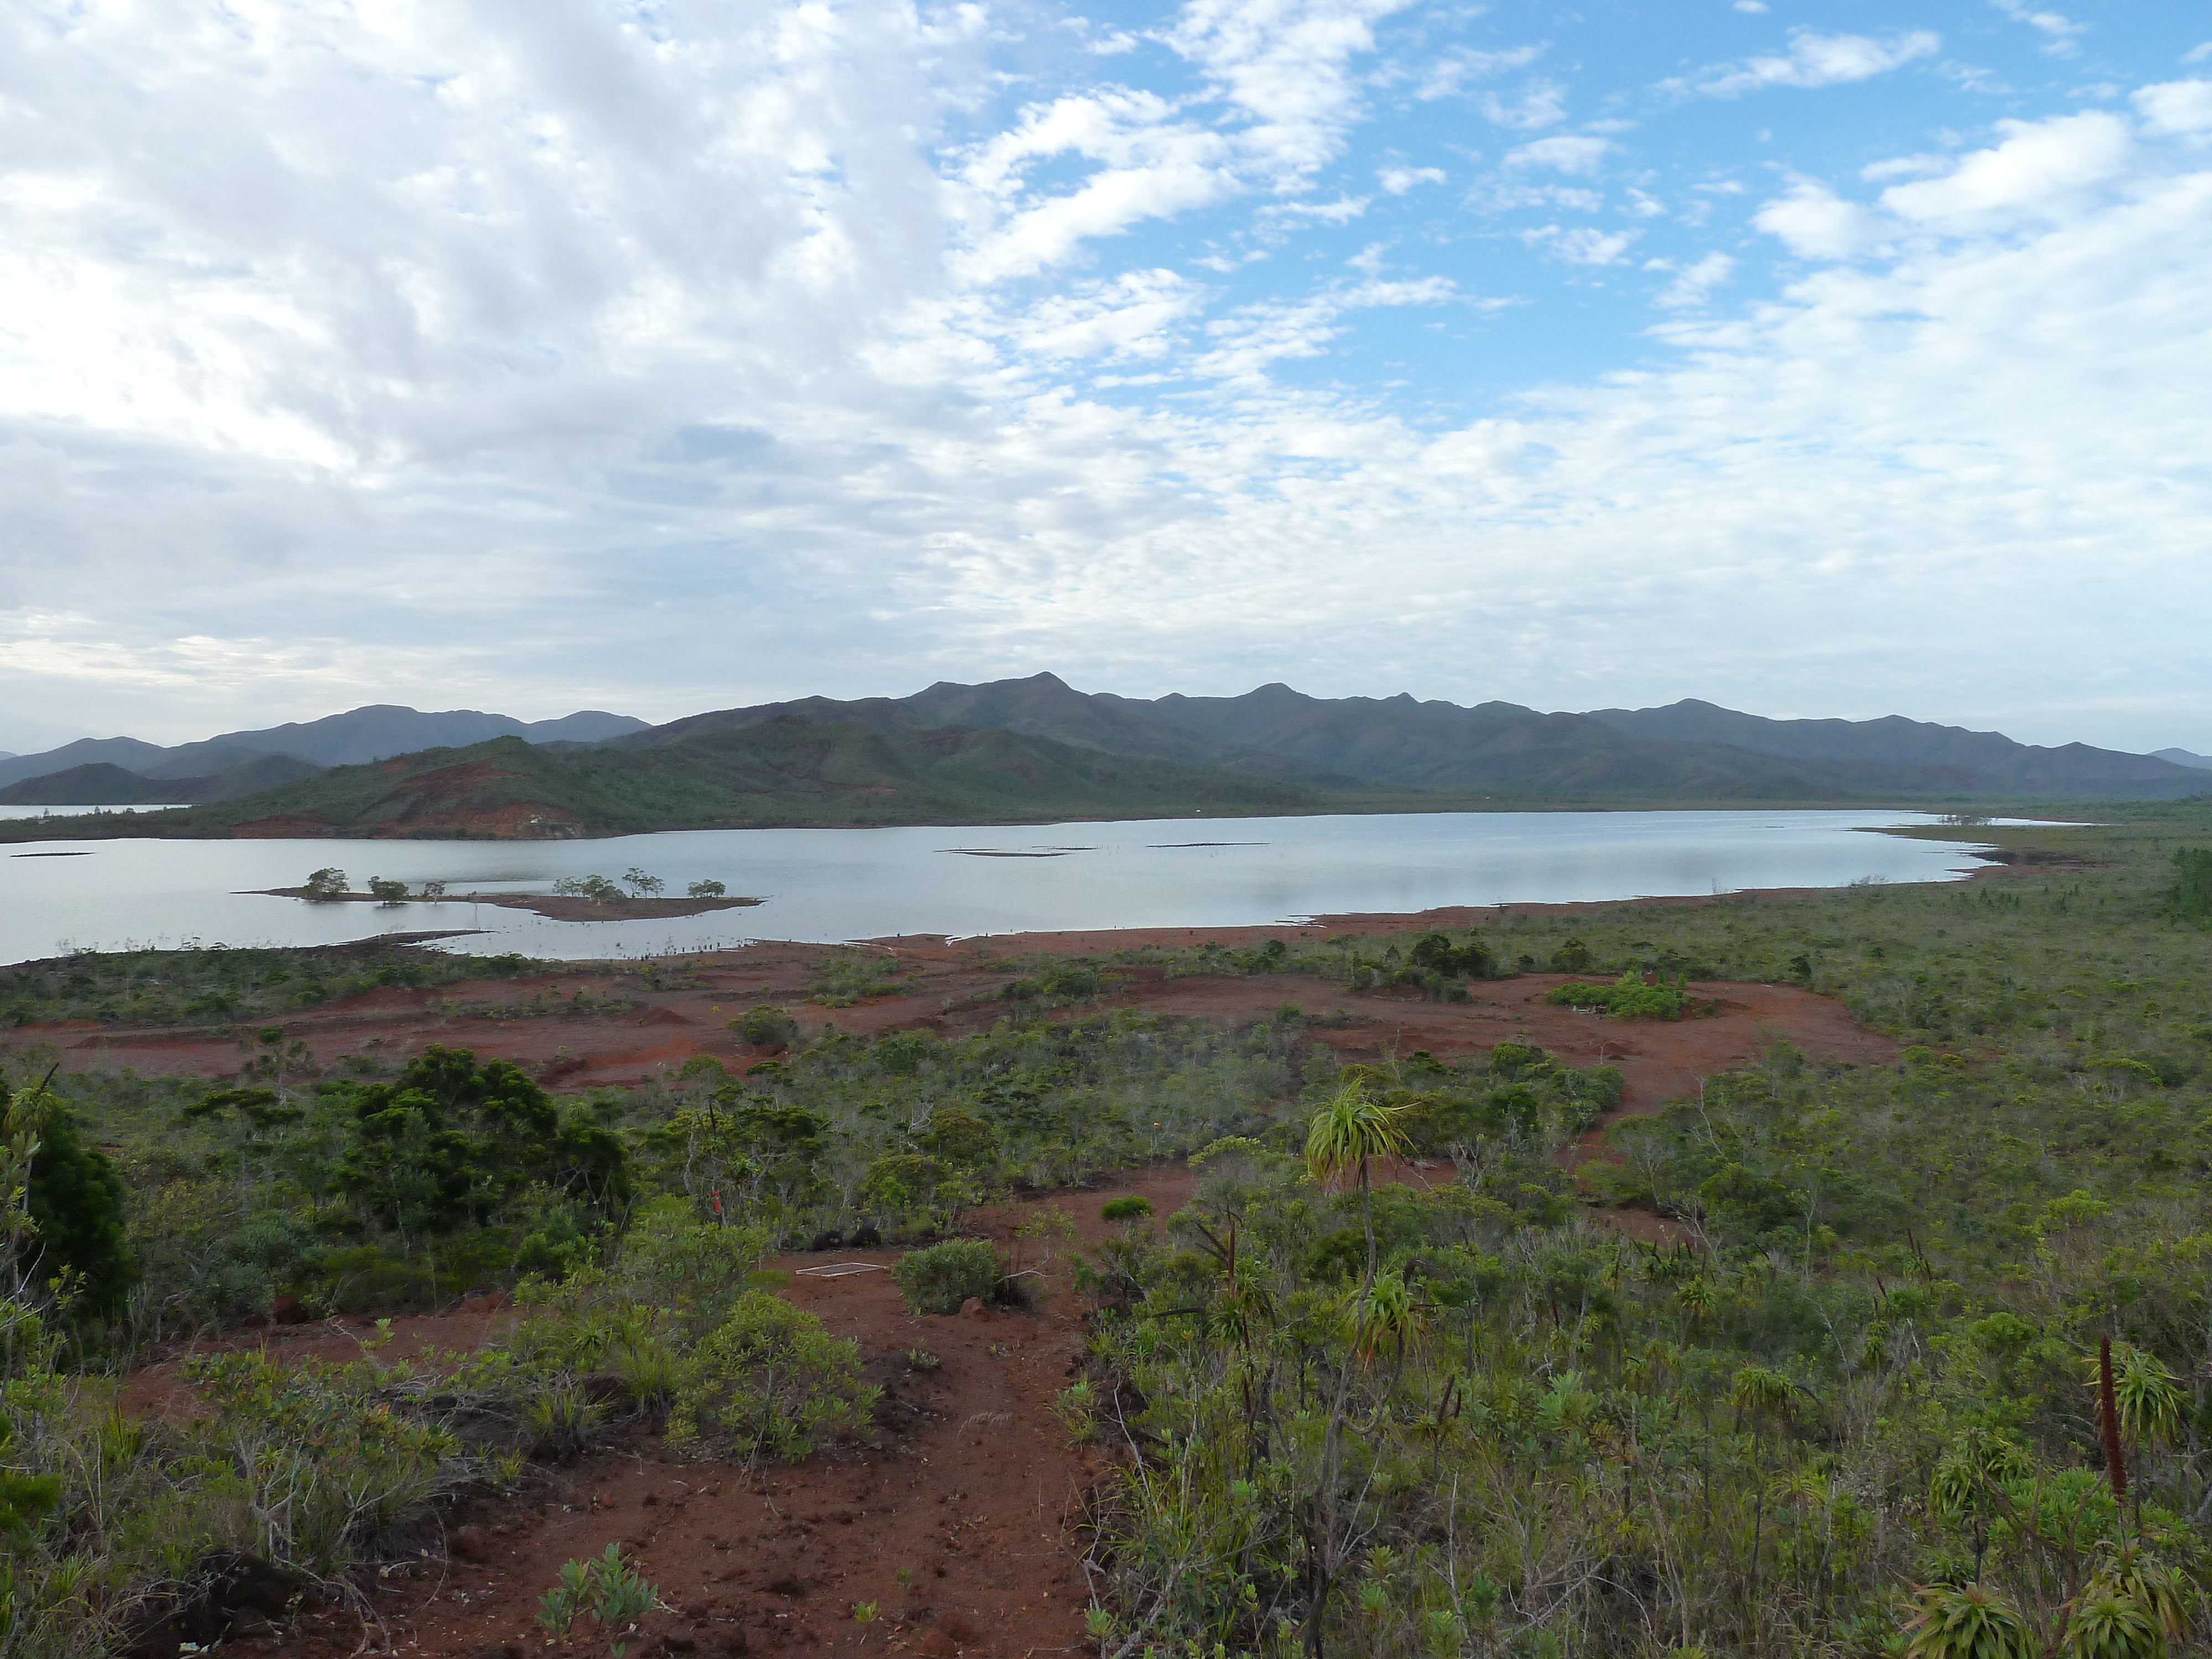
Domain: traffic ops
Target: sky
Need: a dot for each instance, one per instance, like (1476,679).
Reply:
(1814,358)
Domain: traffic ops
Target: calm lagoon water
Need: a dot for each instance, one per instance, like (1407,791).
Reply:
(825,885)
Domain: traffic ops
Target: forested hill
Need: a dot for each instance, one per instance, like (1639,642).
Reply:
(1036,750)
(1975,760)
(781,772)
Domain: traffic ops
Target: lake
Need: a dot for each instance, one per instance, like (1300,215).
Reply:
(825,885)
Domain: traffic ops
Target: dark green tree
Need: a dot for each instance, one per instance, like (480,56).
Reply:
(452,1140)
(75,1198)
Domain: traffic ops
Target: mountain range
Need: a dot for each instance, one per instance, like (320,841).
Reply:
(96,771)
(1037,750)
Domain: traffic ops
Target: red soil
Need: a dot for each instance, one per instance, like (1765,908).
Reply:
(972,1489)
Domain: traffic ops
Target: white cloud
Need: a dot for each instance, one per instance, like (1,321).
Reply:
(1286,66)
(1754,8)
(1251,340)
(1450,70)
(1581,245)
(1693,284)
(1572,197)
(2041,167)
(1905,167)
(1578,154)
(1341,211)
(2177,107)
(1134,315)
(2058,30)
(1541,104)
(1154,163)
(1398,181)
(2198,54)
(1816,223)
(1814,60)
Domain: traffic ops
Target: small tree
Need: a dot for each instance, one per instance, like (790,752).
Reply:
(388,893)
(327,883)
(707,890)
(765,1027)
(642,885)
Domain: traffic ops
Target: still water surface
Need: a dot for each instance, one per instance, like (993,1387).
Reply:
(832,884)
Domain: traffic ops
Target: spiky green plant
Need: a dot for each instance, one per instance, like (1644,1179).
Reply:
(1348,1131)
(2109,1623)
(1966,1622)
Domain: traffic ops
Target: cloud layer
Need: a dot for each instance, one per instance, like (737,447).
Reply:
(658,358)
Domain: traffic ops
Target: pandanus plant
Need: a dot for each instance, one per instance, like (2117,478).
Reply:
(1348,1131)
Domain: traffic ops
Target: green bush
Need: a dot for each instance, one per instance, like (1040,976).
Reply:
(770,1383)
(939,1278)
(1133,1206)
(765,1027)
(76,1202)
(1627,997)
(908,1184)
(2191,895)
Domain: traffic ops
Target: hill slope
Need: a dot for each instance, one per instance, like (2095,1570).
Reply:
(99,784)
(371,733)
(1949,757)
(781,771)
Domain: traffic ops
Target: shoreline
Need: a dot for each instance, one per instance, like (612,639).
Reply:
(1094,941)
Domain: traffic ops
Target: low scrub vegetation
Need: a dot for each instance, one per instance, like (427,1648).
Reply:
(1899,1357)
(218,984)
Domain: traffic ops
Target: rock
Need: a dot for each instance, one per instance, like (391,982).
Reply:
(789,1584)
(973,1307)
(676,1642)
(288,1311)
(469,1544)
(735,1641)
(650,1499)
(936,1644)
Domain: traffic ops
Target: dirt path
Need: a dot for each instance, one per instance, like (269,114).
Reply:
(960,1525)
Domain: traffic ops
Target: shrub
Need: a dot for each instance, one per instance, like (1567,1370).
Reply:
(904,1183)
(76,1201)
(2191,895)
(961,1138)
(673,1261)
(770,1382)
(1133,1207)
(386,891)
(327,883)
(765,1027)
(939,1278)
(1625,998)
(611,1589)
